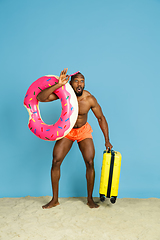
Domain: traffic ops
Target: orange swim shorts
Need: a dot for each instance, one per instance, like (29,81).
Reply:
(81,133)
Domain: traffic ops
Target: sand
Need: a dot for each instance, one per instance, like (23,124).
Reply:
(130,219)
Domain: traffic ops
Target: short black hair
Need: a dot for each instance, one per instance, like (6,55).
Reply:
(76,75)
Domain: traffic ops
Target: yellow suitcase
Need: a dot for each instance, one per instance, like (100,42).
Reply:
(110,174)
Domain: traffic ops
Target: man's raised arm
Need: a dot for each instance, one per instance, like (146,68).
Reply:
(47,94)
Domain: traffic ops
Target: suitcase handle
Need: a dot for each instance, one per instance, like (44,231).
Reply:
(108,150)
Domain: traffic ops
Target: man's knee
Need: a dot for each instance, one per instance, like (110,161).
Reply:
(56,162)
(89,162)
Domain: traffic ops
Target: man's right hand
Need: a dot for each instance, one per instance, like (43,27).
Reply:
(63,78)
(47,94)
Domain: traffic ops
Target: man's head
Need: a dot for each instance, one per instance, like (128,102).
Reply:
(78,82)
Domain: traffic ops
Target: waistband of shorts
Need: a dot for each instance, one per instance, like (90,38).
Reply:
(78,130)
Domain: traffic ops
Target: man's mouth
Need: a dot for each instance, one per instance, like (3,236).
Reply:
(79,89)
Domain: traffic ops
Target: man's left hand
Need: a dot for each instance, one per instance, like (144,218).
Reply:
(108,146)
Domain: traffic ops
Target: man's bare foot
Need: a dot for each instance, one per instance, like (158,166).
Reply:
(51,204)
(92,204)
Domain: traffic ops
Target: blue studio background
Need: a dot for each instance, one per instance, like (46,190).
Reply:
(115,44)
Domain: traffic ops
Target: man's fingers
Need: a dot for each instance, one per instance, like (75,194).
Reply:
(64,71)
(108,149)
(67,78)
(61,73)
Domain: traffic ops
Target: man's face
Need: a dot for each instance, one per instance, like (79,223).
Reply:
(78,85)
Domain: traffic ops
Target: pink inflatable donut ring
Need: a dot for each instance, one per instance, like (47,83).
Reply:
(69,112)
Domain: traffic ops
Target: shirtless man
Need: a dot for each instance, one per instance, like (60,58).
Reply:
(80,132)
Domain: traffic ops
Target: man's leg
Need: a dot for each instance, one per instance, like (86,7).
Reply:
(60,150)
(87,148)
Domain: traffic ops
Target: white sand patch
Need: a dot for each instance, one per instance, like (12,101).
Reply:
(127,219)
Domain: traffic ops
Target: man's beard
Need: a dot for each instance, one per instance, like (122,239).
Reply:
(78,94)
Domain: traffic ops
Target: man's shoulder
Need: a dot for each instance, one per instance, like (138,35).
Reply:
(89,97)
(87,94)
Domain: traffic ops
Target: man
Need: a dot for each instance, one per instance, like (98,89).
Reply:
(80,132)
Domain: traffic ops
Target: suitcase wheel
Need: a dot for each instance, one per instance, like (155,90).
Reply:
(113,199)
(102,197)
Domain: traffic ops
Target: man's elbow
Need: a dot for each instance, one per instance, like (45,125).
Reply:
(101,118)
(39,98)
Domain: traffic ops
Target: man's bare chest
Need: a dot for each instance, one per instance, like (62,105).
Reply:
(83,107)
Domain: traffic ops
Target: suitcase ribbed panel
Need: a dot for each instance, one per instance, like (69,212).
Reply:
(116,174)
(110,175)
(105,173)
